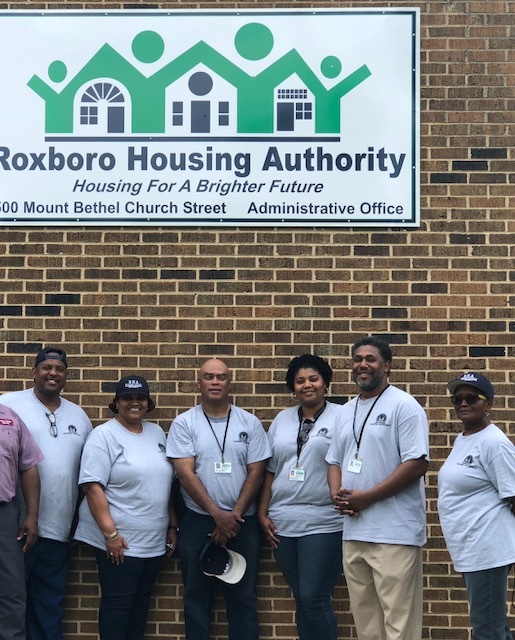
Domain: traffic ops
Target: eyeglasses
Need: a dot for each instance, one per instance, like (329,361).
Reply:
(306,427)
(470,399)
(53,424)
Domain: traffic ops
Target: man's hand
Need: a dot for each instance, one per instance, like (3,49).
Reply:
(227,526)
(29,528)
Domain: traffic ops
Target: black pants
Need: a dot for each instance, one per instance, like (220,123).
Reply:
(126,590)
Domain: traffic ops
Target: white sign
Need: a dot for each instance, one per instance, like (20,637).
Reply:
(304,118)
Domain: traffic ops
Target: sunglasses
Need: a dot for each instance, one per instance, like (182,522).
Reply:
(470,399)
(306,427)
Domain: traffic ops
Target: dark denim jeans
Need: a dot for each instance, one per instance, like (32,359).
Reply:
(312,566)
(199,589)
(126,591)
(46,570)
(486,592)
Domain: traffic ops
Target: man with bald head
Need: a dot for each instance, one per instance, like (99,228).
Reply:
(219,452)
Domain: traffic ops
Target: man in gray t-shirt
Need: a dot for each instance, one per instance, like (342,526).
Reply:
(219,452)
(376,466)
(60,429)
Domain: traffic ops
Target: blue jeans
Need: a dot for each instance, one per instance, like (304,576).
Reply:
(312,566)
(126,590)
(199,589)
(486,592)
(46,570)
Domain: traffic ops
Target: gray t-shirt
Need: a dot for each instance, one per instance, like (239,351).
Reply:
(190,436)
(395,431)
(137,478)
(302,507)
(473,484)
(59,471)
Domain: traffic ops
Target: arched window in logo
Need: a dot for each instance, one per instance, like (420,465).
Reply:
(103,104)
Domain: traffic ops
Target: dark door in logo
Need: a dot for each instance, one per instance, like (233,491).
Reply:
(200,116)
(115,119)
(285,116)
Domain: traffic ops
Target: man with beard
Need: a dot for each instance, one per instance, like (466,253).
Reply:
(377,463)
(60,429)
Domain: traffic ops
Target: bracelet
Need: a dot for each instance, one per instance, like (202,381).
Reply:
(112,536)
(173,527)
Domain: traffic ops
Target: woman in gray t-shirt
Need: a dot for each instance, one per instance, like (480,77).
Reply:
(127,516)
(295,508)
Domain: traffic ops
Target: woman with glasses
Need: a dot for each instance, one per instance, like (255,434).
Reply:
(476,487)
(127,517)
(295,508)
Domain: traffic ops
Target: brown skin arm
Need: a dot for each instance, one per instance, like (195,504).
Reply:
(227,522)
(99,508)
(30,486)
(266,523)
(351,502)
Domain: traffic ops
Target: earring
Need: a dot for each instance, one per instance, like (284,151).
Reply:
(294,395)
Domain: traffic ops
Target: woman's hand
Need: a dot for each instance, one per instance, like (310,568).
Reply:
(270,531)
(114,549)
(171,542)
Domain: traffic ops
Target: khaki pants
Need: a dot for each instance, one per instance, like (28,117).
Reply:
(385,589)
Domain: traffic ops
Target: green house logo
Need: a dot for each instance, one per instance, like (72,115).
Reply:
(198,94)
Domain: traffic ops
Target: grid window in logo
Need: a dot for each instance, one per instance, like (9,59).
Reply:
(292,94)
(89,115)
(303,111)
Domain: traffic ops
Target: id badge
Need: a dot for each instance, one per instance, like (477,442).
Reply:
(297,475)
(355,465)
(223,467)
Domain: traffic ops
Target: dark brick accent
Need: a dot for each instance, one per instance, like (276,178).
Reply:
(486,326)
(467,238)
(389,312)
(470,165)
(24,347)
(485,352)
(11,310)
(139,274)
(448,178)
(497,153)
(217,274)
(179,274)
(42,310)
(62,298)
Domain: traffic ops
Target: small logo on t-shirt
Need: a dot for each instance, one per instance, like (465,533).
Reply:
(243,437)
(72,430)
(468,461)
(323,433)
(161,447)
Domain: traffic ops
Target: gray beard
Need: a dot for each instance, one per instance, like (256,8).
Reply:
(368,386)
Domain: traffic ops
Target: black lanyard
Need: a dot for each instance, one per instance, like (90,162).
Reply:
(308,423)
(358,440)
(222,448)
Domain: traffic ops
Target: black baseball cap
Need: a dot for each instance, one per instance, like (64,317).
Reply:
(132,384)
(222,563)
(52,353)
(476,380)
